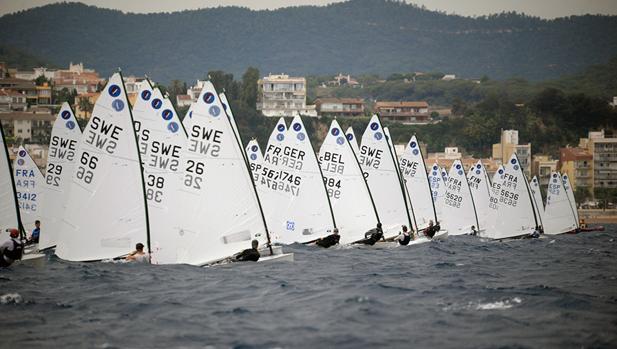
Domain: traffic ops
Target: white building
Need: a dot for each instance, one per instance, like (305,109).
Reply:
(33,74)
(449,153)
(282,95)
(133,84)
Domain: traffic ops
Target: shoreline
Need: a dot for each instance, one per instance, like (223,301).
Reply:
(598,216)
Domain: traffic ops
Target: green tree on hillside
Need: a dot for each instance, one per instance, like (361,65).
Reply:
(41,80)
(224,82)
(85,105)
(249,90)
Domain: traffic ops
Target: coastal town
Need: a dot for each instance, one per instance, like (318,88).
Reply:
(30,99)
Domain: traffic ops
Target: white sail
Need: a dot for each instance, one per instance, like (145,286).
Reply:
(188,117)
(351,137)
(230,114)
(458,206)
(568,187)
(438,189)
(106,212)
(480,191)
(381,173)
(408,202)
(558,217)
(513,214)
(161,138)
(444,174)
(349,194)
(538,203)
(9,218)
(29,186)
(264,167)
(303,212)
(218,212)
(61,160)
(416,180)
(255,158)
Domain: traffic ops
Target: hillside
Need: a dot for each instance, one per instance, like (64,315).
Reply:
(359,36)
(598,80)
(15,58)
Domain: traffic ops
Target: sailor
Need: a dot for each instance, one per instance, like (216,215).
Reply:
(535,234)
(372,236)
(582,224)
(431,230)
(404,237)
(36,232)
(329,240)
(474,232)
(250,254)
(138,255)
(11,250)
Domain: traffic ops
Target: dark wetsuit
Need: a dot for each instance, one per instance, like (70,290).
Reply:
(11,251)
(328,241)
(249,254)
(372,236)
(431,231)
(405,239)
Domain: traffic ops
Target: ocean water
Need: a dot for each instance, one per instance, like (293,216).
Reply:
(554,292)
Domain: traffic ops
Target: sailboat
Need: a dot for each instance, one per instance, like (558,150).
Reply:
(480,191)
(438,190)
(417,183)
(218,211)
(401,180)
(568,187)
(512,213)
(29,185)
(106,213)
(559,217)
(10,216)
(61,160)
(458,205)
(538,203)
(161,138)
(302,210)
(381,173)
(350,196)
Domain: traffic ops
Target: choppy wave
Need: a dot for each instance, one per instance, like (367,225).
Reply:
(463,292)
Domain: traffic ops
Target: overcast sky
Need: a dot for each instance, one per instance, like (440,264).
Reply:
(541,8)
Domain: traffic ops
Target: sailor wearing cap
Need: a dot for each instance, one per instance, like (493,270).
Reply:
(11,250)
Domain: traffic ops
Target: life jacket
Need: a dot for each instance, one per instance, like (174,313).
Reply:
(16,253)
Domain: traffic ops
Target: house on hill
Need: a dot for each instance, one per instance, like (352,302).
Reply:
(403,112)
